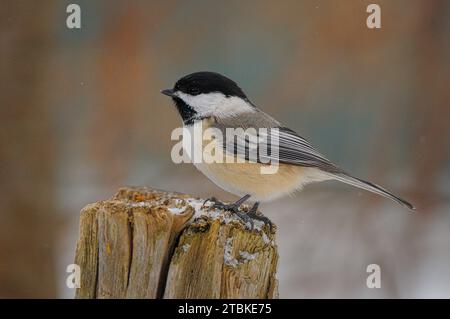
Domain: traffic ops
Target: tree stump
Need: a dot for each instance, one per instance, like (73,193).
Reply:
(145,243)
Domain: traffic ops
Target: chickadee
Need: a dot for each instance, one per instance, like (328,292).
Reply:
(218,102)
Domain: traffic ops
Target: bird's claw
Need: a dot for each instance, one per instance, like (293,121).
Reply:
(211,199)
(245,217)
(219,205)
(253,215)
(228,207)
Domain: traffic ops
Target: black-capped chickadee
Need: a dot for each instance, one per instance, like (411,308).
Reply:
(215,101)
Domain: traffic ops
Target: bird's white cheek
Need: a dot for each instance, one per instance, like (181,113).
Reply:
(215,104)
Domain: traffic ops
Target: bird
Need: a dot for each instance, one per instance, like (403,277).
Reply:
(211,100)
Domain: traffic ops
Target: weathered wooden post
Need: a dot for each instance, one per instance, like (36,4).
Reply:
(145,243)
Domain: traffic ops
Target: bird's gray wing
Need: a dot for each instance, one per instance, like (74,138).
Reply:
(294,149)
(265,141)
(285,146)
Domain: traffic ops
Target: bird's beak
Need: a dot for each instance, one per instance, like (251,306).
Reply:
(168,92)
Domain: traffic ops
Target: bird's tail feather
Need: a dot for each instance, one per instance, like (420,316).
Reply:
(371,187)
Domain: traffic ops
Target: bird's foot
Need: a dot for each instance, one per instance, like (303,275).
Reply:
(253,214)
(211,199)
(233,208)
(248,217)
(220,205)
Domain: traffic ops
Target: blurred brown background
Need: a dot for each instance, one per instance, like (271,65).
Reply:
(81,115)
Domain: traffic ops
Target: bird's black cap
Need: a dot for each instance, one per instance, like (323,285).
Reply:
(207,82)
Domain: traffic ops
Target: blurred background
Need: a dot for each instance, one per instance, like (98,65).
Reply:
(82,115)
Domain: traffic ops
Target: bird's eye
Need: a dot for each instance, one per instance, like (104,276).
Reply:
(194,91)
